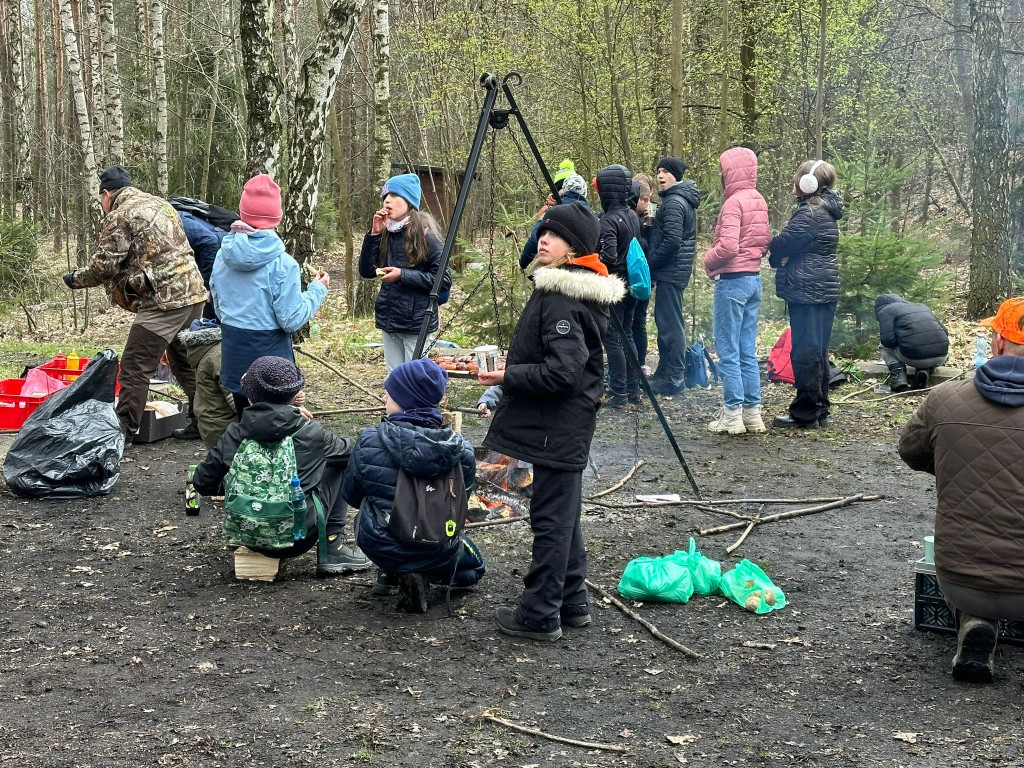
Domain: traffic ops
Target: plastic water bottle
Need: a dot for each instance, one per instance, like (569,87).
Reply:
(192,499)
(980,350)
(297,498)
(314,330)
(445,344)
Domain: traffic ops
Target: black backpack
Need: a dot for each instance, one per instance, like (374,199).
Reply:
(429,512)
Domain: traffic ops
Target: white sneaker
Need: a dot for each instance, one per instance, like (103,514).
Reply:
(728,420)
(752,419)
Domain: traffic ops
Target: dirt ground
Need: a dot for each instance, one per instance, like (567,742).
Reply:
(126,641)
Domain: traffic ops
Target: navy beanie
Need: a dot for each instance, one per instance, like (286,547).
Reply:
(417,384)
(673,165)
(272,380)
(115,177)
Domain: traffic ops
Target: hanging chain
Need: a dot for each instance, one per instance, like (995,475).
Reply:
(526,163)
(490,247)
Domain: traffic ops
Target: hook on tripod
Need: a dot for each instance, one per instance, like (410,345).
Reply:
(489,81)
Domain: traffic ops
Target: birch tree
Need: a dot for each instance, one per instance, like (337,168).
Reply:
(156,26)
(317,80)
(114,117)
(381,91)
(88,175)
(262,87)
(94,82)
(21,162)
(40,152)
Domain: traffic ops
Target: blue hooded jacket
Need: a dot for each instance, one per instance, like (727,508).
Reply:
(258,296)
(369,486)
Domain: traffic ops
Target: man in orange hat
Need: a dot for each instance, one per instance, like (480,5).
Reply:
(970,435)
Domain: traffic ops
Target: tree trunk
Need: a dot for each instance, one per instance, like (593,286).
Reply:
(21,161)
(88,176)
(59,164)
(676,70)
(749,18)
(111,84)
(381,92)
(156,22)
(262,86)
(819,97)
(962,55)
(185,70)
(211,121)
(990,159)
(95,81)
(317,81)
(344,196)
(41,174)
(723,100)
(289,65)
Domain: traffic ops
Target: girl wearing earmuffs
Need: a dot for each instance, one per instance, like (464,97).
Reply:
(807,277)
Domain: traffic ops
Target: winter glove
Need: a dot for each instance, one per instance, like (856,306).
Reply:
(69,280)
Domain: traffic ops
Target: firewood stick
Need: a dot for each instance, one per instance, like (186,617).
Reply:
(724,511)
(650,627)
(489,715)
(497,521)
(342,376)
(792,513)
(621,482)
(739,541)
(719,502)
(335,411)
(847,398)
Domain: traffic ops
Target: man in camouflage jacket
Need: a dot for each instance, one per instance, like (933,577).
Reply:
(144,261)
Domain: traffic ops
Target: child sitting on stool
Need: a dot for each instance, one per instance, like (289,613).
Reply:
(410,437)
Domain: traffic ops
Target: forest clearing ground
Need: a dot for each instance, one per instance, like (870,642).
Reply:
(126,640)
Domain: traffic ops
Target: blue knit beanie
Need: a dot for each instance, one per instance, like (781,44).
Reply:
(406,186)
(417,384)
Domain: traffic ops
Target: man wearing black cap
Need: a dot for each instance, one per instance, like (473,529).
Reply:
(672,245)
(144,261)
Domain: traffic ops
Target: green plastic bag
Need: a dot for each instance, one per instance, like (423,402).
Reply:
(747,580)
(705,573)
(656,578)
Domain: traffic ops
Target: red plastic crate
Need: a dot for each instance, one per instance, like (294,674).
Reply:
(15,409)
(67,375)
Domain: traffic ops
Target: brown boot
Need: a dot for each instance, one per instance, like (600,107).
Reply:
(975,649)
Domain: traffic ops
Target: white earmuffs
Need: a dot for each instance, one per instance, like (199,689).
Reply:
(809,182)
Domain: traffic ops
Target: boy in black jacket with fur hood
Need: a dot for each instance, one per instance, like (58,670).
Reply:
(551,386)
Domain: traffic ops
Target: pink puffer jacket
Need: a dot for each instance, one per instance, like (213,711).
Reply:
(742,232)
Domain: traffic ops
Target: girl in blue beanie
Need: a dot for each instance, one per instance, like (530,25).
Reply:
(403,250)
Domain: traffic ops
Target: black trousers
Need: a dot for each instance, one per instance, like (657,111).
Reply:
(812,330)
(639,330)
(555,582)
(622,376)
(668,317)
(142,353)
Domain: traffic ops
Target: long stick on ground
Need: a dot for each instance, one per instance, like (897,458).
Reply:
(336,411)
(489,715)
(498,521)
(740,540)
(846,398)
(792,513)
(342,376)
(650,627)
(621,482)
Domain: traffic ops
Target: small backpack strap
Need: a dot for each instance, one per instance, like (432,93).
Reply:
(321,531)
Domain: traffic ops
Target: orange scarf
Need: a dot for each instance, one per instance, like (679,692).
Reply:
(592,262)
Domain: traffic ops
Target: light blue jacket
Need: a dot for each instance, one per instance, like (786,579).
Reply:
(260,301)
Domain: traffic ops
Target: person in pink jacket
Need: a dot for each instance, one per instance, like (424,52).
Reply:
(734,263)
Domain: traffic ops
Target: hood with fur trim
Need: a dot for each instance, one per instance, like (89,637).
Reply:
(201,338)
(580,283)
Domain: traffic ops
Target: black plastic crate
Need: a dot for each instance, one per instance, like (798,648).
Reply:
(931,614)
(152,428)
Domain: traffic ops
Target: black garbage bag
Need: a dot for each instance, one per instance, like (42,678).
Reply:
(71,446)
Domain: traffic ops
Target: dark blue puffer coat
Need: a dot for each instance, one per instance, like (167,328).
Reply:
(672,240)
(400,306)
(810,242)
(369,486)
(619,223)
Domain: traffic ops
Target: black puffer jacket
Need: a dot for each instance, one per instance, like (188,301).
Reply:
(315,447)
(809,242)
(911,328)
(672,242)
(554,376)
(619,224)
(400,306)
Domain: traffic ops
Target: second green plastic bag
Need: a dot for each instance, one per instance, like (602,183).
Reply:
(748,582)
(705,573)
(656,578)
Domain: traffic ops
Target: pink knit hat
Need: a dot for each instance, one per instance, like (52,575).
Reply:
(260,206)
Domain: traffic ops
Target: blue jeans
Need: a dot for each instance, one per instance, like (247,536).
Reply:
(737,302)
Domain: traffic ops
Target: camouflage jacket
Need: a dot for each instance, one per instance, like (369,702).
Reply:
(143,258)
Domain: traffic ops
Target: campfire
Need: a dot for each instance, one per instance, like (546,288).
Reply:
(503,487)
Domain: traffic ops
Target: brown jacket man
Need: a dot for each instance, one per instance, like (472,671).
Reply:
(970,435)
(145,263)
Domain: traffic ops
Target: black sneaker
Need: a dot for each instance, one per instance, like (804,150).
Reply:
(921,379)
(508,625)
(617,401)
(386,584)
(976,649)
(576,616)
(412,590)
(188,432)
(635,399)
(785,421)
(666,387)
(341,558)
(823,421)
